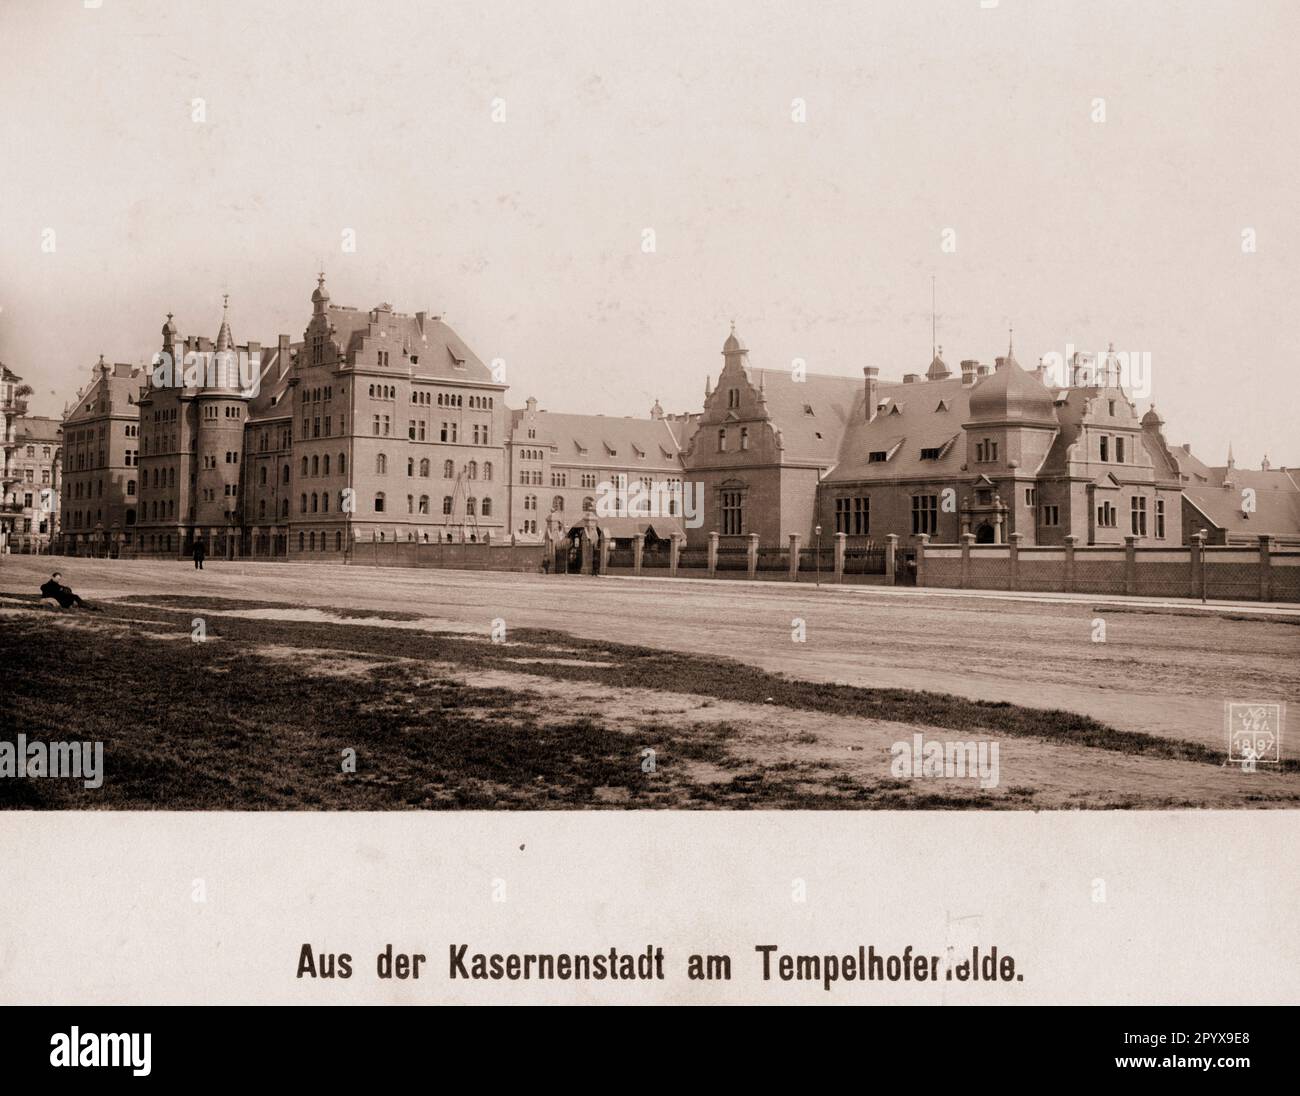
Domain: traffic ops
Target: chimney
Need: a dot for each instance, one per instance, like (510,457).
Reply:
(968,368)
(531,404)
(911,378)
(872,375)
(982,370)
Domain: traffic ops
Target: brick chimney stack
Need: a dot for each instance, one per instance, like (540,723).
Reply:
(968,368)
(872,375)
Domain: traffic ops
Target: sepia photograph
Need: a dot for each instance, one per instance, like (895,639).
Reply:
(850,417)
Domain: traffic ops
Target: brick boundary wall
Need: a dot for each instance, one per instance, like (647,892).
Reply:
(1258,572)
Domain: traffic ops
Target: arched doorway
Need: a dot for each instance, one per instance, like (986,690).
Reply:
(984,534)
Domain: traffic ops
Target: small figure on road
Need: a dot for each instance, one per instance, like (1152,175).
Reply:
(200,550)
(56,591)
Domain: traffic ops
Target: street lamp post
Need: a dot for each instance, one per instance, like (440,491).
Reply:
(817,553)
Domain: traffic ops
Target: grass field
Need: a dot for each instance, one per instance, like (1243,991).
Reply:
(262,712)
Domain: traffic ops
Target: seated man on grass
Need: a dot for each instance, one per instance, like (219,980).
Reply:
(64,596)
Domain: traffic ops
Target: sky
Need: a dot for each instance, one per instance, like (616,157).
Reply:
(500,163)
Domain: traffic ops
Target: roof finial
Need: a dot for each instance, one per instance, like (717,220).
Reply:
(1011,332)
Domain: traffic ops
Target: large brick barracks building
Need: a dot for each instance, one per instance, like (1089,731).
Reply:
(382,426)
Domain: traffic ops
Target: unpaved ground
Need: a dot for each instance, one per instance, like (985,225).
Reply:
(1161,674)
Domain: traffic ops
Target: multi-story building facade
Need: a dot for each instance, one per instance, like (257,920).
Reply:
(989,452)
(192,441)
(13,406)
(101,446)
(379,426)
(38,470)
(564,467)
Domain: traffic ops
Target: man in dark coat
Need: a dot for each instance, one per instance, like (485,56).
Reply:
(200,550)
(64,596)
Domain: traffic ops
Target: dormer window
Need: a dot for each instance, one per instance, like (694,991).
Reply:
(807,409)
(930,454)
(877,456)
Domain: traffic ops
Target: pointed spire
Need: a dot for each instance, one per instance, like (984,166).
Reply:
(225,340)
(320,295)
(1231,463)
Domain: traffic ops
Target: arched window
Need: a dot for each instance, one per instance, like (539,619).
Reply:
(303,508)
(424,504)
(471,507)
(410,466)
(313,540)
(448,469)
(487,508)
(472,470)
(343,464)
(588,503)
(338,541)
(487,470)
(130,517)
(379,503)
(325,502)
(381,464)
(286,474)
(284,508)
(446,504)
(261,508)
(262,478)
(304,466)
(557,503)
(302,541)
(314,502)
(315,466)
(130,487)
(325,464)
(424,467)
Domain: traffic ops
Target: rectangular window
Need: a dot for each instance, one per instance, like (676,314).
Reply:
(1031,496)
(376,426)
(842,515)
(861,516)
(930,454)
(925,513)
(1160,518)
(733,514)
(877,456)
(1051,515)
(1138,515)
(1106,515)
(1119,450)
(1105,448)
(722,441)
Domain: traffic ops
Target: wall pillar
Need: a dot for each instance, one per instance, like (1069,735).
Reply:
(1197,561)
(891,558)
(1070,540)
(1130,564)
(674,551)
(967,539)
(840,538)
(604,554)
(752,555)
(713,554)
(1265,568)
(588,552)
(922,539)
(794,557)
(638,549)
(1013,561)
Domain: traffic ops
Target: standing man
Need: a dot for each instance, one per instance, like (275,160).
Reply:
(200,550)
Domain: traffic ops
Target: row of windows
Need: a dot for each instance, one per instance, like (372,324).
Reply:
(30,475)
(473,506)
(853,516)
(1109,445)
(45,451)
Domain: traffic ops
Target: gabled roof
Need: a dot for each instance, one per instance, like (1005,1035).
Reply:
(811,414)
(1276,512)
(601,441)
(920,426)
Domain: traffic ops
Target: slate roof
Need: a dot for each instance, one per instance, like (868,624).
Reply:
(811,414)
(588,440)
(908,421)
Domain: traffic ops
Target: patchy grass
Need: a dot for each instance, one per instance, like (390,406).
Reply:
(216,725)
